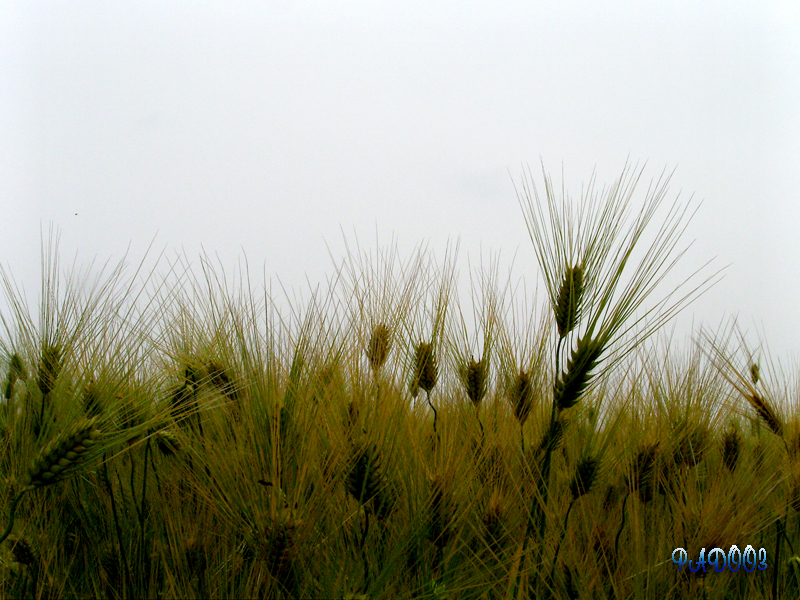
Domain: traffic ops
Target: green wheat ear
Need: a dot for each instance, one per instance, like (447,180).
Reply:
(755,373)
(60,457)
(16,370)
(49,367)
(56,461)
(572,382)
(568,304)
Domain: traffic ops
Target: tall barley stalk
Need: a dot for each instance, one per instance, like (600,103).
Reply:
(583,252)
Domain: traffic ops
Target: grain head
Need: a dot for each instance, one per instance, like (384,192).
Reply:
(473,376)
(691,446)
(61,456)
(380,342)
(49,367)
(568,304)
(24,552)
(586,473)
(220,378)
(573,382)
(367,483)
(493,519)
(754,373)
(194,557)
(167,442)
(91,399)
(766,412)
(641,478)
(521,396)
(426,371)
(280,550)
(731,448)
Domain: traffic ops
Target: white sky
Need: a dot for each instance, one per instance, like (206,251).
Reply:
(262,128)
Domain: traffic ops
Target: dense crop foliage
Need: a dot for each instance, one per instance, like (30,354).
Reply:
(176,437)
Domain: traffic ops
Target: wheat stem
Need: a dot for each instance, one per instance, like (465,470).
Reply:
(12,512)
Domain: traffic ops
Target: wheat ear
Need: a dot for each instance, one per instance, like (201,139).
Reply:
(573,382)
(379,345)
(568,303)
(766,413)
(56,461)
(731,447)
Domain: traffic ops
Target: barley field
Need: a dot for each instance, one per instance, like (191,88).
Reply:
(173,433)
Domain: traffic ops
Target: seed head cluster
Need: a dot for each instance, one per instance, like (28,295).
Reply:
(568,304)
(56,461)
(474,375)
(426,371)
(379,345)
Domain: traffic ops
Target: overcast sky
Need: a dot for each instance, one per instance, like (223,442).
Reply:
(263,128)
